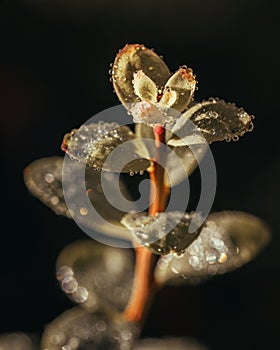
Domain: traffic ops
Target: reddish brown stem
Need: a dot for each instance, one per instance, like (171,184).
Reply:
(144,285)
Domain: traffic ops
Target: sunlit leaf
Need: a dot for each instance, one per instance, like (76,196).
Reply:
(93,274)
(92,144)
(153,114)
(131,59)
(144,87)
(215,119)
(81,329)
(228,240)
(164,233)
(43,178)
(179,89)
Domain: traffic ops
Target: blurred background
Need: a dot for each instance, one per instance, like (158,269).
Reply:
(54,63)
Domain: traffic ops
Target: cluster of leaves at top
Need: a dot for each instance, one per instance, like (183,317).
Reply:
(153,97)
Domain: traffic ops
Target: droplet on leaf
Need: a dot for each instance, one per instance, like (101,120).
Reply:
(131,59)
(164,233)
(228,240)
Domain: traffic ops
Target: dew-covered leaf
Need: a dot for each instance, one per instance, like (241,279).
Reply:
(164,233)
(184,164)
(92,274)
(153,114)
(81,329)
(144,87)
(179,89)
(228,240)
(168,343)
(16,341)
(43,178)
(215,120)
(131,59)
(93,143)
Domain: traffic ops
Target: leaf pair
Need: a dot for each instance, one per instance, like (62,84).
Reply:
(147,89)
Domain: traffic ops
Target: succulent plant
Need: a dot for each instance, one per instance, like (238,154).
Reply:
(167,141)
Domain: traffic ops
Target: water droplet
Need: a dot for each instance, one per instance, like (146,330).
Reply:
(194,261)
(74,343)
(210,257)
(217,243)
(80,295)
(69,284)
(222,258)
(83,211)
(57,338)
(100,326)
(63,271)
(212,270)
(193,249)
(235,138)
(126,334)
(66,347)
(54,200)
(49,178)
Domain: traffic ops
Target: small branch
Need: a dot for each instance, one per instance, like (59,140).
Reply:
(144,286)
(159,191)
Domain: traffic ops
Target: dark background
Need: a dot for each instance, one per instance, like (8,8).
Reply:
(54,63)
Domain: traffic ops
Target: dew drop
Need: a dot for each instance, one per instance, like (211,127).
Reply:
(54,200)
(80,295)
(210,257)
(83,211)
(69,284)
(212,270)
(100,326)
(57,338)
(235,138)
(194,261)
(66,347)
(49,178)
(126,334)
(222,258)
(63,271)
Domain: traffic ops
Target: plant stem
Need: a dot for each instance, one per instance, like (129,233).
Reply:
(144,286)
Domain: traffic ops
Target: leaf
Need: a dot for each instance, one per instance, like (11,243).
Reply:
(101,274)
(164,233)
(152,114)
(144,87)
(228,240)
(131,59)
(78,328)
(182,83)
(183,163)
(215,120)
(83,188)
(92,145)
(43,178)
